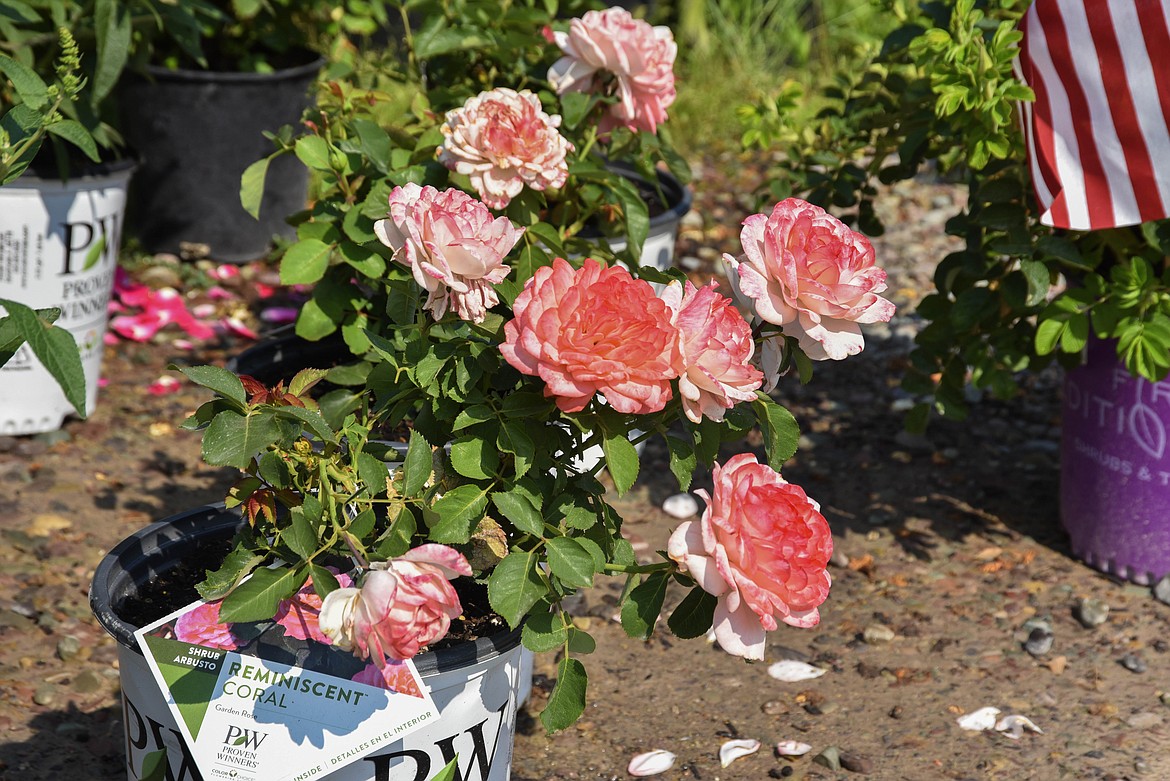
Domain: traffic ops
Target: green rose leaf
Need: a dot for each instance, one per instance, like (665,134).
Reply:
(55,348)
(305,262)
(475,457)
(780,429)
(567,701)
(257,598)
(416,469)
(518,509)
(453,517)
(621,459)
(515,586)
(235,567)
(570,562)
(217,380)
(693,616)
(232,439)
(544,632)
(301,534)
(642,606)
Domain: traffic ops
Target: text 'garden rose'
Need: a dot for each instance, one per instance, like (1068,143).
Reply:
(639,58)
(594,330)
(761,547)
(504,142)
(453,245)
(808,272)
(402,605)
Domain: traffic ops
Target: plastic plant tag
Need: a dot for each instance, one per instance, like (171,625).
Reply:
(256,702)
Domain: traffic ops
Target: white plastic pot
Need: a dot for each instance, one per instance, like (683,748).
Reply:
(58,248)
(474,685)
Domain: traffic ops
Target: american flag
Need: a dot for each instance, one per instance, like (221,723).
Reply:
(1098,134)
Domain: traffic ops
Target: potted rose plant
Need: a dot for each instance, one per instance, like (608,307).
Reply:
(1019,293)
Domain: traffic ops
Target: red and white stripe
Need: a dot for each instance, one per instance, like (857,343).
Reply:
(1098,135)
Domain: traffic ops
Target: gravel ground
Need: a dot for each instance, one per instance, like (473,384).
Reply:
(951,575)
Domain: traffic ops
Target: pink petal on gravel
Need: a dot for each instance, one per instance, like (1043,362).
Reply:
(203,311)
(137,328)
(237,327)
(218,293)
(224,272)
(264,291)
(164,385)
(103,381)
(183,344)
(734,749)
(109,338)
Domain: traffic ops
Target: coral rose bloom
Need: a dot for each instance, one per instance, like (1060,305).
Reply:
(453,245)
(392,676)
(504,142)
(202,626)
(717,349)
(810,273)
(761,547)
(596,330)
(298,615)
(402,606)
(639,57)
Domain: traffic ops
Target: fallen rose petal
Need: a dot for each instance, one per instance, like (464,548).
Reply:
(980,720)
(139,328)
(1013,726)
(279,315)
(792,748)
(164,385)
(264,291)
(203,311)
(237,327)
(734,749)
(224,271)
(651,763)
(103,382)
(217,293)
(791,671)
(183,344)
(109,338)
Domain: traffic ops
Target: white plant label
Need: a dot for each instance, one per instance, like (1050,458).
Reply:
(256,703)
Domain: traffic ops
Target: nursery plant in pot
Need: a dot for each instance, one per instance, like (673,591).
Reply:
(487,368)
(61,205)
(942,92)
(204,102)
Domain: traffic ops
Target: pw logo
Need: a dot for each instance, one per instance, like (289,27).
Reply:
(249,739)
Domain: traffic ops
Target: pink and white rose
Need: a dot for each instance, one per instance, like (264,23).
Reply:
(594,330)
(453,245)
(761,547)
(202,626)
(716,352)
(504,142)
(808,272)
(611,47)
(402,606)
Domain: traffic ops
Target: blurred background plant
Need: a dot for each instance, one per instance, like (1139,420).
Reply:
(939,99)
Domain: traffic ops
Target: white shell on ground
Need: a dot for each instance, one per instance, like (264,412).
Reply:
(792,748)
(1013,726)
(734,749)
(980,720)
(651,763)
(681,506)
(791,671)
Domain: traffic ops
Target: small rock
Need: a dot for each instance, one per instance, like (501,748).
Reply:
(7,443)
(896,712)
(681,506)
(830,758)
(1039,641)
(88,682)
(915,443)
(902,405)
(1092,612)
(839,558)
(856,763)
(17,472)
(692,219)
(1133,663)
(67,648)
(45,694)
(51,438)
(781,772)
(690,263)
(1144,720)
(30,447)
(1162,590)
(877,634)
(774,708)
(74,730)
(46,524)
(1165,698)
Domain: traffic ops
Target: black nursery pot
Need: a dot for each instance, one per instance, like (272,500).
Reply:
(475,685)
(196,132)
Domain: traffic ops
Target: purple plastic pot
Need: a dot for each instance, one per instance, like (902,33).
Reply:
(1115,468)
